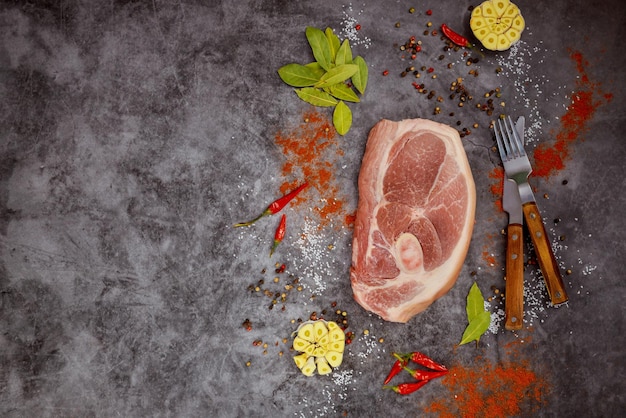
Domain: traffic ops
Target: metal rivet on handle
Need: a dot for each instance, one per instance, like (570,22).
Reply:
(514,237)
(514,319)
(558,294)
(533,216)
(538,234)
(513,256)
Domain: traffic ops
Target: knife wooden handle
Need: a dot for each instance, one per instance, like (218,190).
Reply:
(514,288)
(547,262)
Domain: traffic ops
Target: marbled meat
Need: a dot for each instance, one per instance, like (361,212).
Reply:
(414,219)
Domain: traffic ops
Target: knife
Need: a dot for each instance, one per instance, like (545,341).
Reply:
(534,222)
(514,270)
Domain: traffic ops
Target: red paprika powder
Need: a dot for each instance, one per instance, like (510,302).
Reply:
(484,389)
(312,152)
(551,157)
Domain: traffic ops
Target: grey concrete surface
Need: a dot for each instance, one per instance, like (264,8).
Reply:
(133,134)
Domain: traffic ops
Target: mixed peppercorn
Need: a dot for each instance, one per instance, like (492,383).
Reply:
(419,51)
(278,290)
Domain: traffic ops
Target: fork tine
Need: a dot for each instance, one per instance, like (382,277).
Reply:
(506,139)
(518,141)
(501,148)
(512,146)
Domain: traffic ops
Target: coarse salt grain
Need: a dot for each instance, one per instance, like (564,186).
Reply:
(349,30)
(343,379)
(516,67)
(588,269)
(497,316)
(332,396)
(366,345)
(313,266)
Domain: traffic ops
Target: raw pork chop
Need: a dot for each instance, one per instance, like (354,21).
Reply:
(414,219)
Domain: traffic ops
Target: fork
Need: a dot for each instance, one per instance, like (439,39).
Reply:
(517,167)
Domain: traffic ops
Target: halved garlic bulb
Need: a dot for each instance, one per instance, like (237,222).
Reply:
(320,345)
(497,24)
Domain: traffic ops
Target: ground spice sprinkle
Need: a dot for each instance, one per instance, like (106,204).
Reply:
(551,158)
(312,151)
(491,390)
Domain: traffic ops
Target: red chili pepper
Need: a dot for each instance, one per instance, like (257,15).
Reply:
(425,374)
(395,369)
(406,388)
(458,39)
(275,206)
(280,233)
(423,360)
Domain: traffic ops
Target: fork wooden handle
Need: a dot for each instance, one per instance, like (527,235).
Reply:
(514,287)
(547,262)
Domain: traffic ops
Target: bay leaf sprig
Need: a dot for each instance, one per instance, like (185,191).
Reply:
(331,79)
(477,317)
(316,97)
(300,75)
(337,75)
(342,118)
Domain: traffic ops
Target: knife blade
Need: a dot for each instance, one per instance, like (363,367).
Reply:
(547,262)
(514,270)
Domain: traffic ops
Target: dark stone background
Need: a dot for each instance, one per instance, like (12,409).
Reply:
(133,134)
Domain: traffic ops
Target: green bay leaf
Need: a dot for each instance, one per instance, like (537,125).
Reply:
(320,46)
(297,75)
(316,97)
(333,42)
(475,303)
(316,68)
(359,79)
(344,54)
(342,118)
(476,328)
(343,92)
(337,75)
